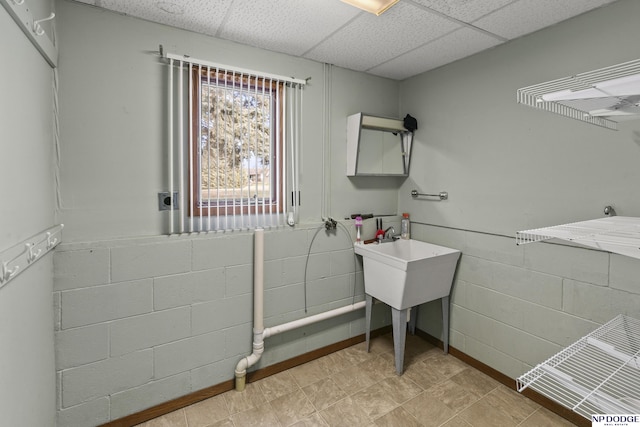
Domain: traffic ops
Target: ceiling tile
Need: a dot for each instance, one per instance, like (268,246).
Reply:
(288,26)
(459,44)
(526,16)
(465,10)
(412,37)
(370,40)
(198,16)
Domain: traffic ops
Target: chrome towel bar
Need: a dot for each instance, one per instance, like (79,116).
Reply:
(443,195)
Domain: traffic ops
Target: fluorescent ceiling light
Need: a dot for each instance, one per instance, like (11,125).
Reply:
(377,7)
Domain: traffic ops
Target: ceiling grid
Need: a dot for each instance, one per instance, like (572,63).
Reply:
(412,37)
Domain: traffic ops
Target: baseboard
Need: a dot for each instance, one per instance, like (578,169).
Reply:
(195,397)
(509,382)
(170,406)
(200,395)
(312,355)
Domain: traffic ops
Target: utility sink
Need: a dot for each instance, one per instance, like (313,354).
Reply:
(404,274)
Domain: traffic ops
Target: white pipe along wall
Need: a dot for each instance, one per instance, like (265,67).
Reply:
(259,332)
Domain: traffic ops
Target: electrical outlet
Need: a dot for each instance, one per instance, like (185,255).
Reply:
(166,202)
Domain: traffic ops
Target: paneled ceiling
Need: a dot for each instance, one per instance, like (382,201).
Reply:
(412,37)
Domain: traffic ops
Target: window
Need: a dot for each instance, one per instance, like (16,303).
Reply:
(232,147)
(236,157)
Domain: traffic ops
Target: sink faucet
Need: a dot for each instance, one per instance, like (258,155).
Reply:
(386,232)
(388,236)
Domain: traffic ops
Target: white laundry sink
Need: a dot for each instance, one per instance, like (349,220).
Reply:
(407,273)
(404,274)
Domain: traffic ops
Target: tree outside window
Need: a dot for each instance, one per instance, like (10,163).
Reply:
(236,155)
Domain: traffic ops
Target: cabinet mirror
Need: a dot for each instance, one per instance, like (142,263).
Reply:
(377,146)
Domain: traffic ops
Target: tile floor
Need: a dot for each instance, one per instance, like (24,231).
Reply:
(354,388)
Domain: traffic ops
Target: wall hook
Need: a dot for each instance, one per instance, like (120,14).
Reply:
(18,3)
(37,28)
(31,254)
(51,241)
(6,273)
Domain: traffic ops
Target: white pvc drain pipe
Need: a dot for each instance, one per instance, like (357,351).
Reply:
(259,332)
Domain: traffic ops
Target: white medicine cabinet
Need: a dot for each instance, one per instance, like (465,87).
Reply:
(377,146)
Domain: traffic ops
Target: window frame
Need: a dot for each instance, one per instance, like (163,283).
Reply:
(219,207)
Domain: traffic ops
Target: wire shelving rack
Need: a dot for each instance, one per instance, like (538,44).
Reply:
(618,234)
(598,374)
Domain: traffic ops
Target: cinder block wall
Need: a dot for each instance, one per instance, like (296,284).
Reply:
(515,306)
(143,321)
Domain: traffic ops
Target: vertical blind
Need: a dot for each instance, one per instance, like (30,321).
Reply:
(233,140)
